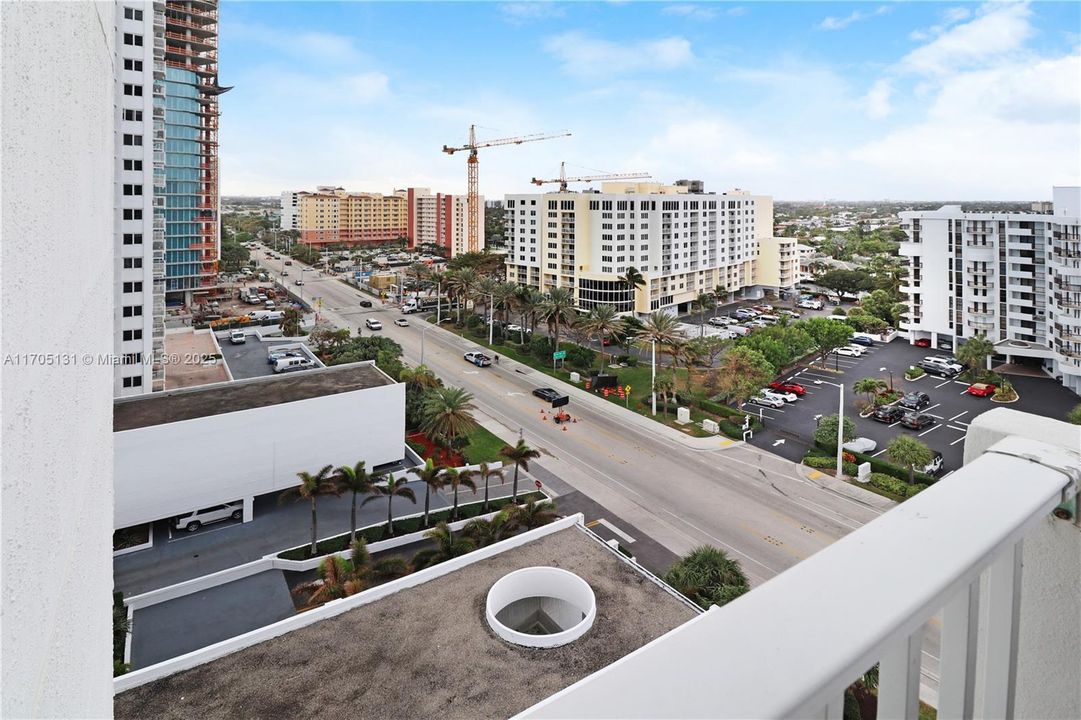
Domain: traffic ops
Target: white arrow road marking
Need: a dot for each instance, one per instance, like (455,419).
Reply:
(471,372)
(778,442)
(512,394)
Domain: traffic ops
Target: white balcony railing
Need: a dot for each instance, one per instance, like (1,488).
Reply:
(791,647)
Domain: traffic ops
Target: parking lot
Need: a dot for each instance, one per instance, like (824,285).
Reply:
(249,359)
(789,430)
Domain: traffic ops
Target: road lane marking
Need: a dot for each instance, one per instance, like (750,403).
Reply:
(613,528)
(722,542)
(933,427)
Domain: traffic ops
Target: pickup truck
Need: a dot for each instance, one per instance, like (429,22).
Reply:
(478,358)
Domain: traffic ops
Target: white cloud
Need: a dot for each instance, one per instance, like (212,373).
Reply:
(520,13)
(583,55)
(840,23)
(876,102)
(692,12)
(998,30)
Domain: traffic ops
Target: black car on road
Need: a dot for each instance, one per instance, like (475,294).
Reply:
(888,414)
(915,400)
(365,303)
(917,421)
(547,394)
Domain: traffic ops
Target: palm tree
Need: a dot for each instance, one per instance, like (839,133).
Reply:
(662,329)
(335,582)
(419,377)
(909,452)
(485,532)
(355,480)
(533,514)
(439,278)
(664,386)
(462,282)
(486,473)
(603,322)
(432,476)
(633,280)
(520,454)
(975,351)
(418,270)
(456,479)
(869,387)
(686,354)
(310,488)
(447,546)
(505,297)
(446,415)
(707,576)
(721,291)
(485,289)
(528,301)
(557,310)
(702,302)
(394,487)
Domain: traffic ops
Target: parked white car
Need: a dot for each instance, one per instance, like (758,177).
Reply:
(847,350)
(810,304)
(787,397)
(215,513)
(720,321)
(770,402)
(237,337)
(858,349)
(860,445)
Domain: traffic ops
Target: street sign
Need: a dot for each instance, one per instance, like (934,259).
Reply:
(627,388)
(537,483)
(559,354)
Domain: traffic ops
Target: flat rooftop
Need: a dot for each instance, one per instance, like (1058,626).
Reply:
(249,360)
(423,652)
(191,403)
(186,371)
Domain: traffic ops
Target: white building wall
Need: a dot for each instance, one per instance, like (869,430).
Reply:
(290,216)
(164,470)
(57,167)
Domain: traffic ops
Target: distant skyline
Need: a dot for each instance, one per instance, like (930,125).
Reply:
(801,101)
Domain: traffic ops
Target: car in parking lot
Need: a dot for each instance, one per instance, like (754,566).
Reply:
(935,466)
(745,314)
(788,397)
(478,358)
(216,513)
(915,400)
(546,393)
(237,337)
(790,313)
(860,445)
(861,340)
(922,342)
(917,421)
(788,387)
(720,321)
(939,369)
(981,389)
(401,322)
(274,356)
(764,401)
(848,351)
(373,324)
(946,361)
(810,304)
(298,282)
(888,414)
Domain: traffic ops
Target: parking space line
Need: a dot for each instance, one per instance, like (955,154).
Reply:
(944,383)
(894,424)
(931,408)
(957,440)
(878,453)
(936,417)
(961,382)
(951,427)
(963,391)
(958,415)
(933,427)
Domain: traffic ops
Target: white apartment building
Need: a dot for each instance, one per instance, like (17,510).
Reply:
(140,178)
(683,243)
(441,220)
(290,216)
(1014,277)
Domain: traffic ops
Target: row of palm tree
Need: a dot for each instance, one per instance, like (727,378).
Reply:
(339,578)
(356,479)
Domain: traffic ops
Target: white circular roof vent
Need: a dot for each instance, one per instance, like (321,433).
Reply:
(541,607)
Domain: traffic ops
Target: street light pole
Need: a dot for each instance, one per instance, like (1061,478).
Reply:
(840,422)
(491,317)
(653,376)
(423,332)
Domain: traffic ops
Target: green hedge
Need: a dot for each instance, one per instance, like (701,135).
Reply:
(826,463)
(881,466)
(339,543)
(896,487)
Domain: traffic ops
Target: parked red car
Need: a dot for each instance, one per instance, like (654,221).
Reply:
(788,387)
(981,389)
(922,342)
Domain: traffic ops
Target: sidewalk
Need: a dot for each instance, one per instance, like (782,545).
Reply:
(852,492)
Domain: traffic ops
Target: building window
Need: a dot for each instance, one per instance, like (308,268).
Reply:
(133,334)
(133,39)
(133,238)
(133,310)
(133,164)
(135,90)
(133,263)
(133,213)
(133,381)
(133,189)
(133,14)
(133,64)
(136,140)
(132,287)
(133,115)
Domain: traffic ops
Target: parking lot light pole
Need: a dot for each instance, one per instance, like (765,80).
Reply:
(882,369)
(491,317)
(653,377)
(840,421)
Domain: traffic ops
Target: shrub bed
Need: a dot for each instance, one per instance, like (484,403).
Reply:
(829,463)
(881,466)
(914,373)
(898,488)
(338,543)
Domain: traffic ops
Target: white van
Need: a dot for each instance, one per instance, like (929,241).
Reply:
(738,329)
(768,319)
(215,513)
(289,364)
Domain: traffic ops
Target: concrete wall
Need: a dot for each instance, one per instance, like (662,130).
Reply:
(57,170)
(1049,653)
(168,469)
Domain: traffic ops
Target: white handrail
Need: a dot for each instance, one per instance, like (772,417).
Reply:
(791,647)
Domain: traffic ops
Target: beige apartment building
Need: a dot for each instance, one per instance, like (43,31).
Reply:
(331,216)
(440,220)
(684,243)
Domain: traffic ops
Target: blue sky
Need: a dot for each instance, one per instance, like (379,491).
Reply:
(912,100)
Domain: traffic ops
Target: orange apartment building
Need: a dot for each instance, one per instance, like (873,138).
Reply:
(331,216)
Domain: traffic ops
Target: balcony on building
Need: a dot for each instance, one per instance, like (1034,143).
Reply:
(980,284)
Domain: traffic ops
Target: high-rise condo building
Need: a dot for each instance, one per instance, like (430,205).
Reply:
(290,215)
(1012,277)
(334,216)
(440,220)
(683,243)
(167,175)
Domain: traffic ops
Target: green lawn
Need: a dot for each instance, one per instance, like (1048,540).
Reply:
(483,447)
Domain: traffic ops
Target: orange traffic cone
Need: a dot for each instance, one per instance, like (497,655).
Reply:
(564,428)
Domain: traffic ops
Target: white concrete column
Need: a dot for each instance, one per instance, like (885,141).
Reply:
(249,509)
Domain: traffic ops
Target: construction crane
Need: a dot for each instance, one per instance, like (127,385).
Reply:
(472,194)
(563,179)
